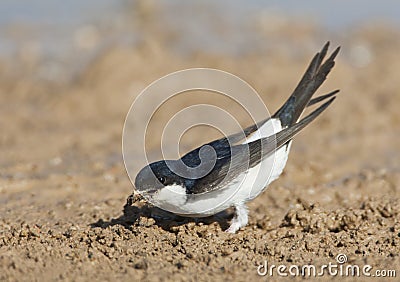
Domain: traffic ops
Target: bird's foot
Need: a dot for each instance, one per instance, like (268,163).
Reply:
(240,219)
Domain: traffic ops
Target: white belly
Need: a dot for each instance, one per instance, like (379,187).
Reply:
(244,188)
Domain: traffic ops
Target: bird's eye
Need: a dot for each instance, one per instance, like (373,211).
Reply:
(161,179)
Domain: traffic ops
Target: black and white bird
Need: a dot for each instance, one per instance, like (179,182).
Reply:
(243,164)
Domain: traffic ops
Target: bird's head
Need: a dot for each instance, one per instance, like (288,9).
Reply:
(157,183)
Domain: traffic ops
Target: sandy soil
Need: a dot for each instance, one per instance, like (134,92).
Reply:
(64,212)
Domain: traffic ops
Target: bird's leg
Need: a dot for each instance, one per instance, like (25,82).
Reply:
(240,219)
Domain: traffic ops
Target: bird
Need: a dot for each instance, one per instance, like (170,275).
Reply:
(233,170)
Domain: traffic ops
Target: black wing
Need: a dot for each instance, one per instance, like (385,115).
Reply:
(291,110)
(223,145)
(243,156)
(226,148)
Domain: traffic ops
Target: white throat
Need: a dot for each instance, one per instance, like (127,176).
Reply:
(172,194)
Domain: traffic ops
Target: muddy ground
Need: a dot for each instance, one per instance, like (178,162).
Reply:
(64,207)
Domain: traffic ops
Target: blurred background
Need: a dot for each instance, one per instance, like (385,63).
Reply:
(69,71)
(63,37)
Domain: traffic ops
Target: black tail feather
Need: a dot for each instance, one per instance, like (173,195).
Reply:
(312,79)
(322,97)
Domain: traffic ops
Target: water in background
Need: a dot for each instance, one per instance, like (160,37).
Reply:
(67,33)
